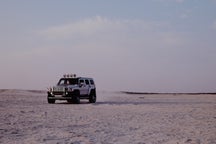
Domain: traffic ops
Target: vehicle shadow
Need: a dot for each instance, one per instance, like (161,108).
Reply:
(136,103)
(67,103)
(150,103)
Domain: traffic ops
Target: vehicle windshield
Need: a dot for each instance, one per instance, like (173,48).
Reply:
(66,81)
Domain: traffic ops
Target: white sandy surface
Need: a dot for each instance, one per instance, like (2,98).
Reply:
(116,118)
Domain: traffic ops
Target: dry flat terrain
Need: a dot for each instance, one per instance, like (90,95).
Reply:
(116,118)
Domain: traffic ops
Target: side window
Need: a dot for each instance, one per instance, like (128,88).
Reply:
(87,82)
(92,82)
(61,82)
(68,82)
(81,81)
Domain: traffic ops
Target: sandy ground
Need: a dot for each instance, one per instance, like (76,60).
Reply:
(116,118)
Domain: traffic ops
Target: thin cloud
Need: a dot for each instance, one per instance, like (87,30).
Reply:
(104,35)
(184,16)
(86,27)
(179,1)
(97,25)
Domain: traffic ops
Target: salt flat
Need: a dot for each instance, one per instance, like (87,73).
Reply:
(116,118)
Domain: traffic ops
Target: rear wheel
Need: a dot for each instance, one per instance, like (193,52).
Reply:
(92,97)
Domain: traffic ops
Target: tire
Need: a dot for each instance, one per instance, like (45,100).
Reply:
(70,101)
(92,97)
(50,101)
(76,98)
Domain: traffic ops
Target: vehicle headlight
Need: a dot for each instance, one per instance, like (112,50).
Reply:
(50,89)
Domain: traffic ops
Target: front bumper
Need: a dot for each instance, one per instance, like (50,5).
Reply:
(59,96)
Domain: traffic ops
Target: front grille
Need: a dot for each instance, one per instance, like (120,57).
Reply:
(58,93)
(58,89)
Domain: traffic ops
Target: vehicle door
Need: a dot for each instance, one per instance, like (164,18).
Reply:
(88,86)
(83,87)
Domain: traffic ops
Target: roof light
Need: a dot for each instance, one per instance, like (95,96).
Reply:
(69,75)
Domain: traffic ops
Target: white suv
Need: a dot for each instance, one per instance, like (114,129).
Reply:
(72,89)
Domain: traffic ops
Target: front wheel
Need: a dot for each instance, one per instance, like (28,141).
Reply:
(70,101)
(50,101)
(76,97)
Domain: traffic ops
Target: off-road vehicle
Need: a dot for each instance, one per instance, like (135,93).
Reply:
(72,89)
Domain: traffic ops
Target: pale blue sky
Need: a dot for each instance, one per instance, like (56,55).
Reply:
(136,45)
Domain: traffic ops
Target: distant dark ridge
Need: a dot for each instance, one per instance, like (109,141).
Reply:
(36,91)
(150,93)
(3,90)
(14,90)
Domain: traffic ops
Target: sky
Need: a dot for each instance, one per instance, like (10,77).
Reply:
(125,45)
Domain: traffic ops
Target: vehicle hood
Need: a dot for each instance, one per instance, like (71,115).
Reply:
(63,87)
